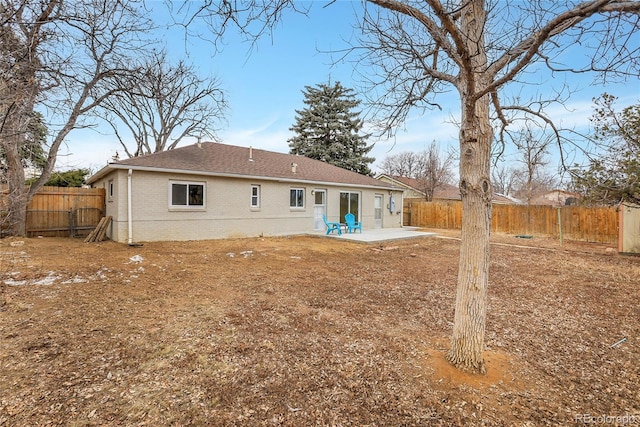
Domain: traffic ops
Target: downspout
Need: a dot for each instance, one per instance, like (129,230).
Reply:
(129,209)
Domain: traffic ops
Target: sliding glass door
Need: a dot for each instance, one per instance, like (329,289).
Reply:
(349,203)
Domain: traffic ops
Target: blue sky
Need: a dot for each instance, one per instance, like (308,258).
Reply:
(264,88)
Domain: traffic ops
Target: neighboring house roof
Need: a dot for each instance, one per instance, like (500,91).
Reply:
(447,192)
(555,198)
(503,198)
(443,192)
(214,159)
(402,182)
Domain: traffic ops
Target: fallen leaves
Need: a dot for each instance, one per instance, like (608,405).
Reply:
(309,331)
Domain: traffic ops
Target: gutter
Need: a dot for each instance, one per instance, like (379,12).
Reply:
(129,209)
(112,166)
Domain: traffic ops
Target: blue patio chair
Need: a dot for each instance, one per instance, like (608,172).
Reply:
(352,225)
(331,226)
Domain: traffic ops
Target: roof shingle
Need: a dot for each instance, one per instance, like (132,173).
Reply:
(210,158)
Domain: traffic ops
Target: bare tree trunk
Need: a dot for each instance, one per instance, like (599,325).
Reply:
(18,197)
(476,135)
(467,341)
(14,126)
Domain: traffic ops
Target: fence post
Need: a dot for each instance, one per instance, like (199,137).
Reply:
(71,227)
(560,225)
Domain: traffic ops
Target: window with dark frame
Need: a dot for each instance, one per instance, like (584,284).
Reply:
(187,194)
(296,198)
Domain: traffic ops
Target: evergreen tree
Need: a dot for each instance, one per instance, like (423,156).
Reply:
(329,130)
(31,150)
(70,178)
(614,176)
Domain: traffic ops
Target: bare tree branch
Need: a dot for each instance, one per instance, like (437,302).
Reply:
(439,32)
(162,103)
(523,54)
(60,52)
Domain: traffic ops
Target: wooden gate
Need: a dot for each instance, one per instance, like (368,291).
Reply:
(60,211)
(629,240)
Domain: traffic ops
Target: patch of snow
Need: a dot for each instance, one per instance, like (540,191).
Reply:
(231,254)
(76,279)
(11,282)
(136,259)
(49,280)
(22,254)
(100,274)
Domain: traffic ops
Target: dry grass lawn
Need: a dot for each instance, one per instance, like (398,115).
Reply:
(311,331)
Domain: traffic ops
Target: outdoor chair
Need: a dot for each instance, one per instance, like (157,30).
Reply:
(331,226)
(352,225)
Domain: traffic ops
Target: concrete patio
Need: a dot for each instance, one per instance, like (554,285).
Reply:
(381,235)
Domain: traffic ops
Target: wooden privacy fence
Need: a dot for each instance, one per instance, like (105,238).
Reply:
(60,211)
(574,222)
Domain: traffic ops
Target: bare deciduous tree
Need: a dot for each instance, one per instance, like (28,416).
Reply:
(57,54)
(477,48)
(161,103)
(480,48)
(437,170)
(503,179)
(408,163)
(534,157)
(429,167)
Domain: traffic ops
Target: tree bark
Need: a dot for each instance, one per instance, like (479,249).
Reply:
(18,196)
(467,341)
(476,136)
(13,130)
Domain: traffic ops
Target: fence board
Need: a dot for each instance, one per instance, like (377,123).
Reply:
(62,211)
(578,223)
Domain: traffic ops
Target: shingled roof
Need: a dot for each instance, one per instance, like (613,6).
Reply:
(447,191)
(214,159)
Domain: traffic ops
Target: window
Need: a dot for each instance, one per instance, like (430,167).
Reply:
(186,194)
(296,198)
(111,189)
(255,196)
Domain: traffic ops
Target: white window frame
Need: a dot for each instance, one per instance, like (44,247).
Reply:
(296,206)
(111,189)
(188,206)
(255,196)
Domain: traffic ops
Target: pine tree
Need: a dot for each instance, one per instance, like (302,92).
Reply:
(614,176)
(329,130)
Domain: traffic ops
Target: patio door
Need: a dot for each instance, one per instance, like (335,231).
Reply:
(349,203)
(319,208)
(377,210)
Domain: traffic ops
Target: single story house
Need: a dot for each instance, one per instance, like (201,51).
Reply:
(211,190)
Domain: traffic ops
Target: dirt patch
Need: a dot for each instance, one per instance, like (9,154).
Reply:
(311,331)
(501,368)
